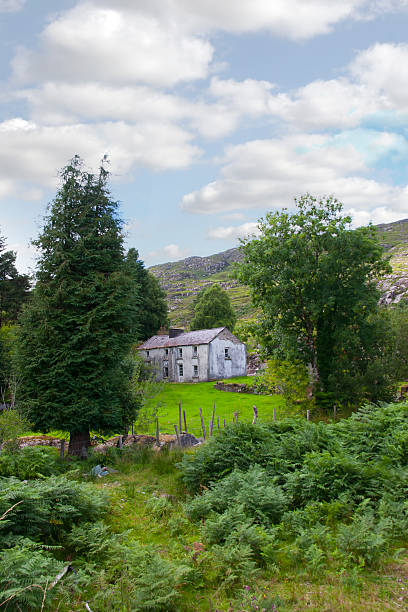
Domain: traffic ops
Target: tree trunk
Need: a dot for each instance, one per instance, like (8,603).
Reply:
(79,441)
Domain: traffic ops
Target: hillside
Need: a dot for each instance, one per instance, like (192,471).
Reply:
(183,279)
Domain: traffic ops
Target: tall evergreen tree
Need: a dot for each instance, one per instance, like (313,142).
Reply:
(14,287)
(212,308)
(152,307)
(79,325)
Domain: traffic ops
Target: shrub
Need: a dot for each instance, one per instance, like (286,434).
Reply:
(30,462)
(260,498)
(237,446)
(49,508)
(141,580)
(25,573)
(363,541)
(325,476)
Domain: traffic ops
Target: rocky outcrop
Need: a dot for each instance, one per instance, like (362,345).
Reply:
(394,288)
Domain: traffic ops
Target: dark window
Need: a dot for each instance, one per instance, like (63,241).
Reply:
(147,353)
(194,351)
(180,352)
(195,370)
(227,355)
(167,351)
(180,369)
(166,372)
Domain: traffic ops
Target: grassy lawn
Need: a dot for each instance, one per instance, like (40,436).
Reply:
(195,395)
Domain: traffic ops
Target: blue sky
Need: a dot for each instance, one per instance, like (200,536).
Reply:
(211,112)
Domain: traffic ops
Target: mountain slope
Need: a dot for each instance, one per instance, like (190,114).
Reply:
(182,280)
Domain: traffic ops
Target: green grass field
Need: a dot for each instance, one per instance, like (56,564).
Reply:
(195,395)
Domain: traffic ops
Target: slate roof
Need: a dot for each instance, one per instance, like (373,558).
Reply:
(201,336)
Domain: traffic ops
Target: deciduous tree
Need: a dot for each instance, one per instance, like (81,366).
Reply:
(213,308)
(315,281)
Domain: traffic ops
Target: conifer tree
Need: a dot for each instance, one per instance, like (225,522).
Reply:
(152,308)
(14,287)
(79,325)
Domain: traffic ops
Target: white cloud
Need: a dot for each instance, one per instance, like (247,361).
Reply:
(170,251)
(62,103)
(11,6)
(295,19)
(383,68)
(238,231)
(269,173)
(108,45)
(33,153)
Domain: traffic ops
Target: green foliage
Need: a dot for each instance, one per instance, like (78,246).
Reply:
(325,494)
(49,508)
(25,575)
(314,279)
(229,566)
(30,462)
(82,318)
(139,579)
(152,305)
(363,541)
(212,308)
(14,287)
(288,378)
(12,425)
(145,389)
(236,446)
(254,491)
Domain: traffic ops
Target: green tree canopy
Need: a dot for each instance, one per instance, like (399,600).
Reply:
(79,325)
(14,287)
(152,307)
(212,308)
(315,281)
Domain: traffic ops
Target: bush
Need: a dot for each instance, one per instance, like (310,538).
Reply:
(237,446)
(363,541)
(261,499)
(12,425)
(325,476)
(48,509)
(140,579)
(25,573)
(30,462)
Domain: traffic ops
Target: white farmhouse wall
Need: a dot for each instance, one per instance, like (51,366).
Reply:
(222,357)
(222,366)
(161,358)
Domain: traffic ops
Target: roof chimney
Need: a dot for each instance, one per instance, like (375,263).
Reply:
(175,331)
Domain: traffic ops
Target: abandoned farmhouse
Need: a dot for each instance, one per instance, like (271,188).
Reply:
(196,356)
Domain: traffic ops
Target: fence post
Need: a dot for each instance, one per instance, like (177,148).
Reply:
(120,442)
(180,416)
(202,422)
(308,415)
(224,423)
(177,435)
(212,420)
(218,422)
(62,448)
(255,414)
(236,417)
(185,421)
(157,432)
(334,411)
